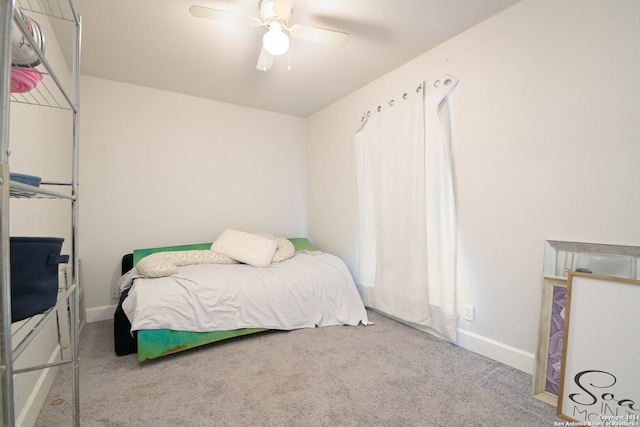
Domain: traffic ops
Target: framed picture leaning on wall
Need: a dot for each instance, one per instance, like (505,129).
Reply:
(600,370)
(546,379)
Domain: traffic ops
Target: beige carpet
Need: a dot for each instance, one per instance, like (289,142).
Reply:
(382,375)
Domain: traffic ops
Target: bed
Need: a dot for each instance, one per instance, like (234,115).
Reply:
(206,302)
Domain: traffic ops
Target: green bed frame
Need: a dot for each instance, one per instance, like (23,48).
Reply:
(154,343)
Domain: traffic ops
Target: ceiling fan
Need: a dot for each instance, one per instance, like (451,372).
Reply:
(273,15)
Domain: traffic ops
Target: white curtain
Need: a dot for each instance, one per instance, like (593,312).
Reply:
(407,208)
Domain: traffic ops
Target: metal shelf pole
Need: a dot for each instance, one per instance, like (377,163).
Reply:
(75,187)
(6,365)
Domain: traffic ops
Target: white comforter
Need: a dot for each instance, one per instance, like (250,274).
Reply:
(311,289)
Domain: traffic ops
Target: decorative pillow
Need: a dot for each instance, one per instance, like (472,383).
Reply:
(245,247)
(161,264)
(302,244)
(285,249)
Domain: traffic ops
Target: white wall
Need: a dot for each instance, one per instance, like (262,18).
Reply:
(159,168)
(546,147)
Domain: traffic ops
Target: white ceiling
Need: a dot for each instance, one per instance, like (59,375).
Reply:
(159,44)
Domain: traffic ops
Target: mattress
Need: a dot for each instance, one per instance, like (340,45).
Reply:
(311,289)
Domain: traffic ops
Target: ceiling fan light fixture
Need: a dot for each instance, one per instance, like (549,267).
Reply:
(275,41)
(274,15)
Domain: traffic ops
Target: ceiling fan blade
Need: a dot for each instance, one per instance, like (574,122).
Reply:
(222,15)
(283,7)
(320,35)
(265,60)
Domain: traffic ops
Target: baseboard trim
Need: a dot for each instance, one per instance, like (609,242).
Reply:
(35,402)
(98,314)
(503,353)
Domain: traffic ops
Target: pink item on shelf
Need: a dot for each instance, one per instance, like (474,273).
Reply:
(24,79)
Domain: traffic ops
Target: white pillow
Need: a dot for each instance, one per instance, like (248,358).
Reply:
(245,247)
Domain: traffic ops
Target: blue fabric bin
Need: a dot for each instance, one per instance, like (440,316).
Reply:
(34,274)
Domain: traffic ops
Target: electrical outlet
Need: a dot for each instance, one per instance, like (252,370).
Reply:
(115,292)
(469,312)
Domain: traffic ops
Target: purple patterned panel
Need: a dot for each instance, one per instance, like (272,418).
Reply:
(556,336)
